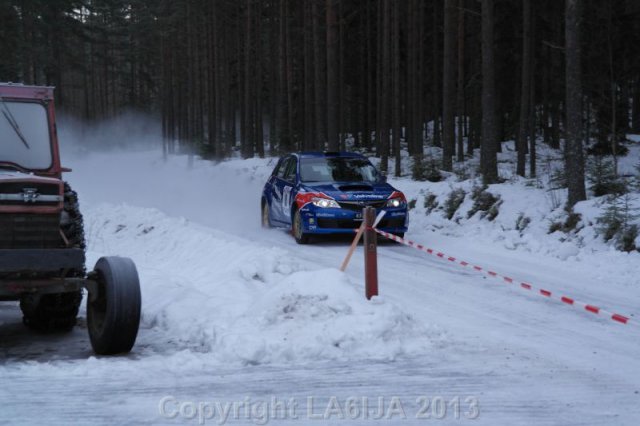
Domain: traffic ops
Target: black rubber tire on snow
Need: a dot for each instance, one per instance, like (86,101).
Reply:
(113,317)
(266,220)
(296,229)
(58,311)
(72,223)
(51,312)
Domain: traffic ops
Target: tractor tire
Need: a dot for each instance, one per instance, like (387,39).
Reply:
(51,312)
(71,222)
(58,311)
(113,315)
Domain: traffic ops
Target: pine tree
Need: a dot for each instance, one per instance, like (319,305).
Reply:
(489,149)
(573,138)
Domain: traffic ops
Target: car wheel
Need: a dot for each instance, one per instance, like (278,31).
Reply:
(297,229)
(266,220)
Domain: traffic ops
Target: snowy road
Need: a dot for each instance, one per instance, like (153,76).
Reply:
(235,314)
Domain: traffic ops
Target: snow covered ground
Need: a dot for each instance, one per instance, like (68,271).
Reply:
(242,326)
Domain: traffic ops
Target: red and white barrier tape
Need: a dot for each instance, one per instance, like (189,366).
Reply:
(523,285)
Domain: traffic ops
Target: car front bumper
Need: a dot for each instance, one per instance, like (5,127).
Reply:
(316,220)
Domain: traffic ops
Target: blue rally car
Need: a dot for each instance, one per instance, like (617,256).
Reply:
(325,192)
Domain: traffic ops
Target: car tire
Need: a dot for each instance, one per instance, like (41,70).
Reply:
(266,220)
(297,229)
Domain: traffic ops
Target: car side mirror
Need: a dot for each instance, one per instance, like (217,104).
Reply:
(383,177)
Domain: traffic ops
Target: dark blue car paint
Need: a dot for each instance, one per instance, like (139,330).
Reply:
(281,192)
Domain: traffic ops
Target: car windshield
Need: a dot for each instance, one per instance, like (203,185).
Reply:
(24,135)
(337,169)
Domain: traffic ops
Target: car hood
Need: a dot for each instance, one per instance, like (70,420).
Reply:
(352,191)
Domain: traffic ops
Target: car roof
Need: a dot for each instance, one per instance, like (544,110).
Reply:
(330,154)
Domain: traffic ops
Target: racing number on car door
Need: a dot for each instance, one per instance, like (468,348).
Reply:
(282,188)
(289,180)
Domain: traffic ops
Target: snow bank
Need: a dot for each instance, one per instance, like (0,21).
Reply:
(532,200)
(242,302)
(321,315)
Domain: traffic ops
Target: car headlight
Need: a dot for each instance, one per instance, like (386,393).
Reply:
(325,203)
(396,202)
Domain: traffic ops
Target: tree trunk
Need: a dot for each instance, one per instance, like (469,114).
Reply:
(532,110)
(385,86)
(573,134)
(274,82)
(448,87)
(332,76)
(291,123)
(460,100)
(525,88)
(342,89)
(435,60)
(246,142)
(414,113)
(319,90)
(635,115)
(556,91)
(546,97)
(397,128)
(308,104)
(488,148)
(613,94)
(258,116)
(284,131)
(370,89)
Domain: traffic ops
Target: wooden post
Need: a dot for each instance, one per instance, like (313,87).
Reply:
(354,244)
(370,253)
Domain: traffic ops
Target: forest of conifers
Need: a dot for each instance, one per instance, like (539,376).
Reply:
(286,75)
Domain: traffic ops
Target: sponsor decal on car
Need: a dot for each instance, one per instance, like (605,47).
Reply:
(369,196)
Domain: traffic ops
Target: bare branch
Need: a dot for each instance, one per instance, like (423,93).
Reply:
(551,45)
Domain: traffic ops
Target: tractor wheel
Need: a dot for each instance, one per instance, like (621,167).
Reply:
(113,314)
(297,229)
(71,222)
(51,312)
(58,311)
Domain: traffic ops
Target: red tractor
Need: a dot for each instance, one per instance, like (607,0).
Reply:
(42,245)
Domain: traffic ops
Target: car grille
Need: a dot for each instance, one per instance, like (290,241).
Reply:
(359,205)
(353,224)
(338,223)
(20,230)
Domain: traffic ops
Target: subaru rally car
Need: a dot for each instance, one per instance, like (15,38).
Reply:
(325,192)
